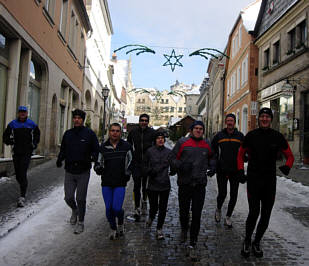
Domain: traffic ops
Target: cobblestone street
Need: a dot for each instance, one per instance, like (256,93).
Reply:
(45,236)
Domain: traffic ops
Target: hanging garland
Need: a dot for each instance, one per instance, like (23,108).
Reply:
(172,59)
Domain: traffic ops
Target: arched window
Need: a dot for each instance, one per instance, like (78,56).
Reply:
(244,120)
(34,91)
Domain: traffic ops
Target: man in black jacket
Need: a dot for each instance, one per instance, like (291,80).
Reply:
(141,140)
(23,135)
(225,145)
(115,173)
(79,147)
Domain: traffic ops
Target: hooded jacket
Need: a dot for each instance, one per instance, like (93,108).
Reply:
(191,158)
(156,161)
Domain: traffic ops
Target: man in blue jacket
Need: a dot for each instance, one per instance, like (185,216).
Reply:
(23,135)
(79,147)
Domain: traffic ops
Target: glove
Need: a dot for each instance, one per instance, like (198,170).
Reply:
(242,178)
(210,173)
(59,163)
(285,169)
(98,168)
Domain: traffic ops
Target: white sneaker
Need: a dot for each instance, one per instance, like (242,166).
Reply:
(79,228)
(120,230)
(113,235)
(218,215)
(228,222)
(21,202)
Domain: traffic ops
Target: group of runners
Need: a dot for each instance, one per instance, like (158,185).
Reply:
(145,157)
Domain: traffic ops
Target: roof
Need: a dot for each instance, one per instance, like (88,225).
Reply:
(175,120)
(249,15)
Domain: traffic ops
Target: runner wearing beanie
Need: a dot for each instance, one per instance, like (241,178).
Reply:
(225,145)
(191,157)
(158,188)
(262,146)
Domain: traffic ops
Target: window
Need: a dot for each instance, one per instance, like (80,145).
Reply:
(64,17)
(72,31)
(276,52)
(49,6)
(166,101)
(34,91)
(180,109)
(228,88)
(82,49)
(244,71)
(303,33)
(266,59)
(162,100)
(143,100)
(244,120)
(291,41)
(172,109)
(238,78)
(240,36)
(61,125)
(184,109)
(4,47)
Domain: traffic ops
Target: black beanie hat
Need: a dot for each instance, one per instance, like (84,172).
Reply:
(159,133)
(231,115)
(266,110)
(80,113)
(197,123)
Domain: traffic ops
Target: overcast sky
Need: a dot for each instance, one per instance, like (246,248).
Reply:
(163,25)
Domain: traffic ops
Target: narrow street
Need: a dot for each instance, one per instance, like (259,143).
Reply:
(40,234)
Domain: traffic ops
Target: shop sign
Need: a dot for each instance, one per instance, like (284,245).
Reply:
(271,90)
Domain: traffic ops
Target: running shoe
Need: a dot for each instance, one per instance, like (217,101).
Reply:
(149,223)
(113,235)
(160,235)
(218,215)
(137,214)
(228,222)
(21,202)
(120,230)
(79,228)
(256,249)
(245,251)
(73,219)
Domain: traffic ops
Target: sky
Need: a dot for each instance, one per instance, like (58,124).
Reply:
(163,25)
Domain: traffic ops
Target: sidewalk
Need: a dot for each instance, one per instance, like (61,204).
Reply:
(298,173)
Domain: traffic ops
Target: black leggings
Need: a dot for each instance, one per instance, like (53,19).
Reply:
(158,200)
(261,199)
(186,195)
(140,181)
(222,180)
(21,164)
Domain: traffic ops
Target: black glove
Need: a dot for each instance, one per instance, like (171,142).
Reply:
(242,178)
(210,172)
(285,169)
(98,168)
(59,163)
(186,167)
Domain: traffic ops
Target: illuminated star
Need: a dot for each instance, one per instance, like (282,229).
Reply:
(173,60)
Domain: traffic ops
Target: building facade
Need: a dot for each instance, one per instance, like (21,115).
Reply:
(42,46)
(282,39)
(241,80)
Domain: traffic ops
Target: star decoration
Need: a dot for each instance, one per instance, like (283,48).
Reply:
(173,60)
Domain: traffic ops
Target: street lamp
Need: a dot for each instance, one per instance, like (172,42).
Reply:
(105,92)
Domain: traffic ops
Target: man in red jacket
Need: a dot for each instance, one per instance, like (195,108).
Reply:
(262,146)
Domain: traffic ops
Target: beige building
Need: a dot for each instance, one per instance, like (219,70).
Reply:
(282,39)
(42,61)
(162,105)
